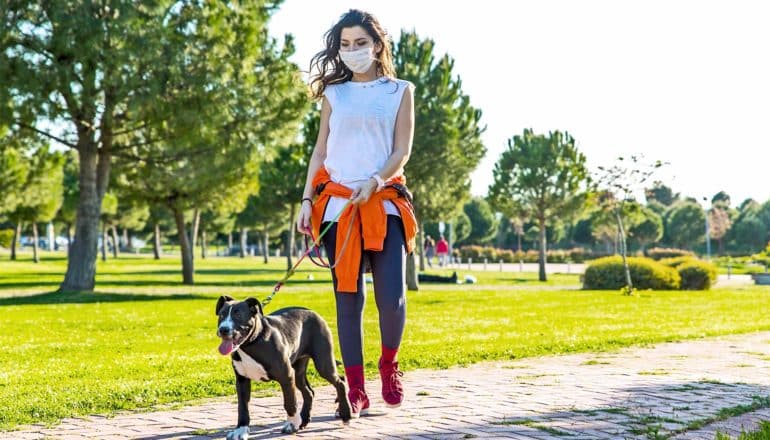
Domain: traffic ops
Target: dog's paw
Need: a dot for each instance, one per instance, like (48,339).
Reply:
(240,433)
(305,420)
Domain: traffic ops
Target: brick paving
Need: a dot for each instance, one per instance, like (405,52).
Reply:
(666,391)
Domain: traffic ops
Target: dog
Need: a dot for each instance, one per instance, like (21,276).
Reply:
(277,347)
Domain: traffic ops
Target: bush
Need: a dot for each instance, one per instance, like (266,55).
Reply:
(6,237)
(471,251)
(675,262)
(697,275)
(608,274)
(660,253)
(507,256)
(579,255)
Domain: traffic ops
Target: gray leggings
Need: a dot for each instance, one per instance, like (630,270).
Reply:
(389,275)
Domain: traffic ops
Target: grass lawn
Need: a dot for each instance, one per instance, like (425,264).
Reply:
(143,339)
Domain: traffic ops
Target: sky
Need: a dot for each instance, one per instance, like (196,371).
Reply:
(684,82)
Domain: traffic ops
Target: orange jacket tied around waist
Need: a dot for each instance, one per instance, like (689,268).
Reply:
(370,224)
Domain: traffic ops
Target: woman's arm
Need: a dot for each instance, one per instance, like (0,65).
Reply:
(402,138)
(316,161)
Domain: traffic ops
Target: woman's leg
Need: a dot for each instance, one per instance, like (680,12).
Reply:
(350,309)
(389,274)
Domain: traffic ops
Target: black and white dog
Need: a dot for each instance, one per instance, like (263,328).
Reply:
(277,347)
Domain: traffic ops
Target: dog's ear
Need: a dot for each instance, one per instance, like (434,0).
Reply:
(254,306)
(221,302)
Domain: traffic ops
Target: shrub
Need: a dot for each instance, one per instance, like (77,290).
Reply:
(697,275)
(677,261)
(507,256)
(608,274)
(579,255)
(556,256)
(660,253)
(6,236)
(471,251)
(489,253)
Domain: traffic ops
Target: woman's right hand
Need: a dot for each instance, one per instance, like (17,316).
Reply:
(303,218)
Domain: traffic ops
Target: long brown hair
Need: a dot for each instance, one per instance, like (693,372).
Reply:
(327,62)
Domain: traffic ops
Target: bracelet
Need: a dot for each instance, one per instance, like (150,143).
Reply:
(308,199)
(380,182)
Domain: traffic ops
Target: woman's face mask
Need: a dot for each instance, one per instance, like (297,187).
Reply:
(359,61)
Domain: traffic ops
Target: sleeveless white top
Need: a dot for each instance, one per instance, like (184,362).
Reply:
(361,129)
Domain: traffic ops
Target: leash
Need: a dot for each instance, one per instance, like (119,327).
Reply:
(316,244)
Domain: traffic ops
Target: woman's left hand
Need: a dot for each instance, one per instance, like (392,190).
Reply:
(362,194)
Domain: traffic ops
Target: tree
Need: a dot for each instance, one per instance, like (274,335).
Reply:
(447,139)
(582,232)
(260,214)
(648,230)
(109,209)
(131,215)
(661,193)
(483,221)
(214,221)
(719,225)
(721,197)
(71,195)
(543,175)
(243,98)
(41,195)
(617,186)
(13,171)
(285,176)
(88,69)
(685,223)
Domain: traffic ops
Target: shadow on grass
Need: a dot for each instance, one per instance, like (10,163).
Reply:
(91,297)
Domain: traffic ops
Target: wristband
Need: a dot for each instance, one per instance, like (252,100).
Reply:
(380,182)
(308,199)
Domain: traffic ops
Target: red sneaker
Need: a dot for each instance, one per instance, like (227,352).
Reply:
(359,402)
(392,390)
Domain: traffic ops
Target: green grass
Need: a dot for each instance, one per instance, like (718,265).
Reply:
(532,424)
(144,339)
(763,433)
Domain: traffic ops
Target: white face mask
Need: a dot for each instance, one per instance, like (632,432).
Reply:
(359,61)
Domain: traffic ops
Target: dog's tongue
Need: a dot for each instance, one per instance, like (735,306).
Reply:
(226,346)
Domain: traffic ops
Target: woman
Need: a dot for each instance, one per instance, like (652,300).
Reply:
(356,174)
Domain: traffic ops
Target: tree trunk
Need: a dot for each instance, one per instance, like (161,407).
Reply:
(244,239)
(265,245)
(518,242)
(195,226)
(115,242)
(184,244)
(203,244)
(35,256)
(290,244)
(156,242)
(229,242)
(622,234)
(542,251)
(93,180)
(411,273)
(16,237)
(104,242)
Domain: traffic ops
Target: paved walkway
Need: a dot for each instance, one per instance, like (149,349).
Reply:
(673,390)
